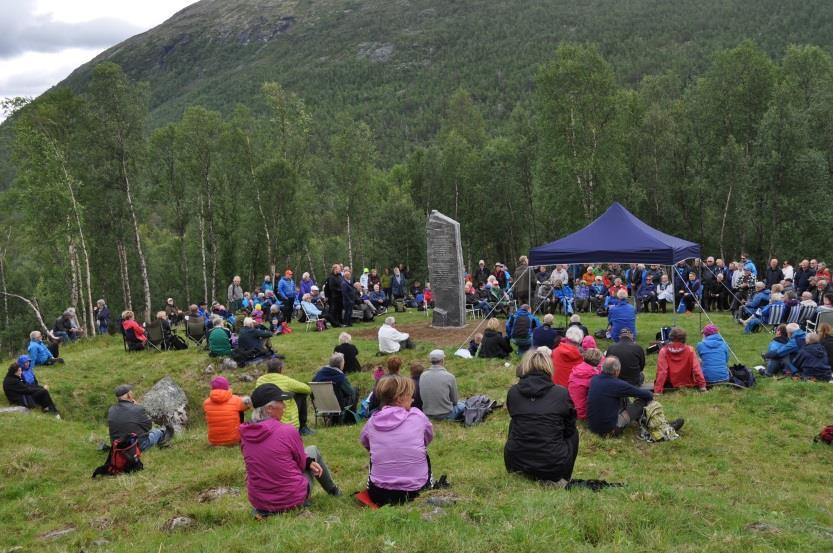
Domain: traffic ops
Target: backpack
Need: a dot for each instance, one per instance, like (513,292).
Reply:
(477,409)
(653,426)
(124,456)
(320,325)
(742,376)
(521,327)
(399,306)
(826,435)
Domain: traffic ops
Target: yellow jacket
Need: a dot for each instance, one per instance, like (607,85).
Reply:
(287,384)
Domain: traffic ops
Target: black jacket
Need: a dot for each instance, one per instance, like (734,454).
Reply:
(802,279)
(332,288)
(542,439)
(18,392)
(773,276)
(249,339)
(827,343)
(544,336)
(494,344)
(348,293)
(351,357)
(632,358)
(125,418)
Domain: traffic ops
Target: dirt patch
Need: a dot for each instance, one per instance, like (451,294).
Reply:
(425,333)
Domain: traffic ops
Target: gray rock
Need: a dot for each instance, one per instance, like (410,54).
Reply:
(101,541)
(442,500)
(246,378)
(15,409)
(166,403)
(228,364)
(209,369)
(55,534)
(215,493)
(375,52)
(445,270)
(433,513)
(177,522)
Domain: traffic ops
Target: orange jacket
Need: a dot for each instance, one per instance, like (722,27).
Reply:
(222,416)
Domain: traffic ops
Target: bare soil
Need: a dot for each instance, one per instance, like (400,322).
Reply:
(423,332)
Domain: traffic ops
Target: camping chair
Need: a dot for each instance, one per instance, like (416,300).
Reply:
(325,402)
(155,337)
(820,319)
(793,314)
(471,311)
(807,313)
(195,330)
(776,316)
(130,341)
(312,319)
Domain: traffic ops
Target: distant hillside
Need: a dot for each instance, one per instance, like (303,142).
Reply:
(393,63)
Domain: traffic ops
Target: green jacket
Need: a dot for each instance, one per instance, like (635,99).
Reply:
(219,342)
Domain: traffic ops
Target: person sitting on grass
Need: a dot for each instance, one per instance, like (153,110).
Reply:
(219,338)
(621,314)
(391,340)
(224,413)
(812,362)
(566,356)
(397,437)
(631,358)
(19,392)
(678,365)
(580,377)
(776,365)
(40,353)
(251,341)
(351,353)
(438,390)
(575,320)
(493,344)
(127,417)
(280,471)
(609,410)
(714,356)
(785,354)
(545,335)
(346,393)
(519,328)
(826,339)
(295,412)
(543,441)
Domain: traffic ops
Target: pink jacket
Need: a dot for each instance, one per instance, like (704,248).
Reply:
(579,386)
(275,462)
(397,440)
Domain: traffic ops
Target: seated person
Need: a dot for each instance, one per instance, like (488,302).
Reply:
(438,390)
(581,296)
(758,301)
(753,323)
(428,296)
(543,441)
(714,356)
(497,297)
(781,357)
(171,340)
(397,437)
(609,411)
(377,299)
(19,392)
(812,362)
(391,340)
(351,353)
(296,406)
(494,345)
(562,298)
(129,417)
(39,353)
(28,372)
(575,320)
(613,292)
(63,328)
(621,314)
(776,365)
(279,470)
(631,358)
(579,383)
(545,335)
(334,372)
(475,299)
(598,294)
(689,293)
(566,356)
(665,293)
(219,338)
(825,332)
(519,328)
(173,313)
(275,319)
(134,332)
(224,413)
(251,341)
(363,303)
(646,295)
(678,365)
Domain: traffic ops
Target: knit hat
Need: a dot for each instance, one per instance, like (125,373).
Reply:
(710,329)
(219,383)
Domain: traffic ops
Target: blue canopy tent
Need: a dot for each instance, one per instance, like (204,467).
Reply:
(617,236)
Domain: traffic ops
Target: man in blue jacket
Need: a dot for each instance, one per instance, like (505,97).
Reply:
(519,328)
(621,314)
(334,372)
(39,354)
(646,295)
(789,351)
(286,295)
(758,301)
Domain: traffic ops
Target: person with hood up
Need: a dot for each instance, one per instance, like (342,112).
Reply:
(224,413)
(543,441)
(286,294)
(519,328)
(784,355)
(678,365)
(279,470)
(27,370)
(397,437)
(714,356)
(579,384)
(19,392)
(812,362)
(566,356)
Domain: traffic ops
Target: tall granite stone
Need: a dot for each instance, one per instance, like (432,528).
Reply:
(445,270)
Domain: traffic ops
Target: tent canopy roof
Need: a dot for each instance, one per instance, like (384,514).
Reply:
(617,236)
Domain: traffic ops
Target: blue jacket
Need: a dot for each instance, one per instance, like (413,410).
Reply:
(266,286)
(759,300)
(621,314)
(306,286)
(691,287)
(39,354)
(544,336)
(582,292)
(563,293)
(598,290)
(812,362)
(28,374)
(605,399)
(646,291)
(790,349)
(714,358)
(376,297)
(286,289)
(398,288)
(533,322)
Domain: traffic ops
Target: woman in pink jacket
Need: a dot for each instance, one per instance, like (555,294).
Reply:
(397,438)
(579,384)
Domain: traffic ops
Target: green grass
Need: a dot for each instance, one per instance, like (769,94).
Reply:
(745,457)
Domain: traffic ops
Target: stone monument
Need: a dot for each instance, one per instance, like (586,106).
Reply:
(445,270)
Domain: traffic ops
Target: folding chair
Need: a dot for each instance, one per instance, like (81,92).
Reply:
(794,314)
(325,402)
(312,319)
(821,318)
(155,337)
(195,330)
(776,316)
(130,341)
(471,311)
(807,313)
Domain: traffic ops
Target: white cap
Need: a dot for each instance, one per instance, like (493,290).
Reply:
(436,355)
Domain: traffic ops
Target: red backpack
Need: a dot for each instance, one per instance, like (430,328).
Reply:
(125,456)
(826,435)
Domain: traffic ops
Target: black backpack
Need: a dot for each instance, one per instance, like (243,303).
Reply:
(742,376)
(124,456)
(520,329)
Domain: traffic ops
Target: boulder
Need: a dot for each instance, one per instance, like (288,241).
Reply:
(14,409)
(166,403)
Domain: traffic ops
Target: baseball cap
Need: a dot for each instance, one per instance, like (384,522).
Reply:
(122,389)
(436,355)
(266,393)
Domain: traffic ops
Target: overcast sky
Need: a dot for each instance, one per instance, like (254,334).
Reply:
(42,41)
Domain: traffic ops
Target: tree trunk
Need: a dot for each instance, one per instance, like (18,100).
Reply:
(269,253)
(125,276)
(209,218)
(349,242)
(183,259)
(725,215)
(202,252)
(73,266)
(311,269)
(34,308)
(5,297)
(143,268)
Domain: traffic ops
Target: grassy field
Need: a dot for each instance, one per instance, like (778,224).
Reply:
(745,476)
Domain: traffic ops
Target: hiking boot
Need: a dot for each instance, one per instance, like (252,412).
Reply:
(59,360)
(306,431)
(167,437)
(676,424)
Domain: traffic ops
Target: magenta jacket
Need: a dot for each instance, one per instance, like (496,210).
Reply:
(275,463)
(579,386)
(397,440)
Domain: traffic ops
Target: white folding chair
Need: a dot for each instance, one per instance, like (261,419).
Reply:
(821,318)
(312,319)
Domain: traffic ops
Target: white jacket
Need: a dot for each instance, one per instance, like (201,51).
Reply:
(389,339)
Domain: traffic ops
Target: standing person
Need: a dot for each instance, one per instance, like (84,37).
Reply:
(631,358)
(267,285)
(332,291)
(398,285)
(384,282)
(351,353)
(519,328)
(224,413)
(279,471)
(522,280)
(543,441)
(306,284)
(397,438)
(774,274)
(438,390)
(348,297)
(678,365)
(481,274)
(102,316)
(127,417)
(235,295)
(802,276)
(295,412)
(286,295)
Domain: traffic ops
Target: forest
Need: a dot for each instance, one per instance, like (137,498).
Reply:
(737,157)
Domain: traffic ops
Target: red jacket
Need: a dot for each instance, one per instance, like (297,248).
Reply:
(579,386)
(679,364)
(564,358)
(138,330)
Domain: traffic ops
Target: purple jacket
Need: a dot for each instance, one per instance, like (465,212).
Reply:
(397,441)
(275,463)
